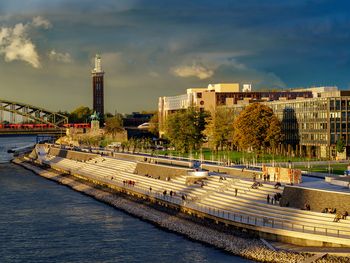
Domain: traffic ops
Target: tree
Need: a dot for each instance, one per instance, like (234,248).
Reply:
(257,128)
(154,124)
(219,129)
(340,145)
(80,115)
(184,129)
(108,115)
(114,125)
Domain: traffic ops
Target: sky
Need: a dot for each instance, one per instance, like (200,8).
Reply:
(154,48)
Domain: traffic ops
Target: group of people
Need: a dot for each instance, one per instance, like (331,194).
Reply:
(256,185)
(306,207)
(329,210)
(340,215)
(266,177)
(271,199)
(171,193)
(277,185)
(150,176)
(277,196)
(129,183)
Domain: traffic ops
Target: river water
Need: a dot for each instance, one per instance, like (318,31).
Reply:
(42,221)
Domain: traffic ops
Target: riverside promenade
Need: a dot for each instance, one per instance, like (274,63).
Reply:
(206,203)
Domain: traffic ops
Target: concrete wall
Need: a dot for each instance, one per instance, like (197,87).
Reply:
(157,170)
(231,171)
(317,199)
(149,159)
(128,157)
(81,156)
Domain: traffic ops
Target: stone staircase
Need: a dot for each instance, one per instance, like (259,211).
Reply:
(215,194)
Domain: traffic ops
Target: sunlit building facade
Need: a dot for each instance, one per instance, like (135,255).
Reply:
(313,119)
(312,126)
(222,94)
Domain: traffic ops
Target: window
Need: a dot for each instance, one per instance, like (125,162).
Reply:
(338,127)
(332,138)
(343,104)
(337,105)
(343,116)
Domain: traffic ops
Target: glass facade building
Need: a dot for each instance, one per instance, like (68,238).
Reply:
(312,126)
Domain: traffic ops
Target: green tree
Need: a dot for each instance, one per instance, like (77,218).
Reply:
(340,145)
(219,129)
(257,128)
(108,115)
(80,115)
(184,129)
(114,125)
(154,124)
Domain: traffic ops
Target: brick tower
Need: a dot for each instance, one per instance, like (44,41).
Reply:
(97,87)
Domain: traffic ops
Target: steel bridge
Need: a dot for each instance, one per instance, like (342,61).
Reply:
(30,112)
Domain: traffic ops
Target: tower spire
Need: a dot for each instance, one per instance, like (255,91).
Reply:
(97,87)
(98,68)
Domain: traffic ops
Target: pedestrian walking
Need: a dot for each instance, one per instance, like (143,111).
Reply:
(236,191)
(268,199)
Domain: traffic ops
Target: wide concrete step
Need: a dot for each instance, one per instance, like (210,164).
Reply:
(262,203)
(261,189)
(223,204)
(276,222)
(158,185)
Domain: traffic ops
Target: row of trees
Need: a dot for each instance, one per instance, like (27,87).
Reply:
(114,123)
(82,114)
(256,128)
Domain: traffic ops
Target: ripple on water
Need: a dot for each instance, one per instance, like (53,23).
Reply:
(46,222)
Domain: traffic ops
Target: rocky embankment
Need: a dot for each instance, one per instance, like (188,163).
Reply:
(252,249)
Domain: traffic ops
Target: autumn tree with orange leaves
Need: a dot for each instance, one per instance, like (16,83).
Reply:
(257,128)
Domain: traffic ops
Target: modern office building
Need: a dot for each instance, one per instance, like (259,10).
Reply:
(97,87)
(312,126)
(313,119)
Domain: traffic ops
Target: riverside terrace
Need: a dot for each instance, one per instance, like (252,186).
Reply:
(213,197)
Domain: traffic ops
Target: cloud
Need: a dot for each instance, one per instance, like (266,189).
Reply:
(60,57)
(39,21)
(196,70)
(16,45)
(154,74)
(258,78)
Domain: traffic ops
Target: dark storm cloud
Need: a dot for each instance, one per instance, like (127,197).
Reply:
(159,47)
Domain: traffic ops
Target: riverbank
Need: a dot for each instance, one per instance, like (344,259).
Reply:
(248,248)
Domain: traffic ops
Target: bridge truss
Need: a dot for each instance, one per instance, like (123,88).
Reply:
(29,112)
